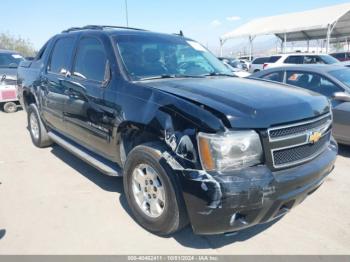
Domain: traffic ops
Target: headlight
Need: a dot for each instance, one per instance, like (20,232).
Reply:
(229,150)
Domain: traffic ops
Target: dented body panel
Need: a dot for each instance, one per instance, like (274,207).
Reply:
(112,118)
(230,202)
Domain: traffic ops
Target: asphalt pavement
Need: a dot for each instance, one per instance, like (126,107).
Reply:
(53,203)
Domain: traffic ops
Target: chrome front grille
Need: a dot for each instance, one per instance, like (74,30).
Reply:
(276,133)
(300,142)
(301,153)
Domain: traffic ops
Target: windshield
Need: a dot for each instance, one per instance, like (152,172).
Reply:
(329,59)
(155,56)
(343,75)
(10,60)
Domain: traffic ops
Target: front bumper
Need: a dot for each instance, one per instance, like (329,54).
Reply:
(225,203)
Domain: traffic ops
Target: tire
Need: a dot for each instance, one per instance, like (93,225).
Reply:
(10,107)
(173,215)
(37,128)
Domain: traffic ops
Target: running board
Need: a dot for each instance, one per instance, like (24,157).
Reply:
(85,156)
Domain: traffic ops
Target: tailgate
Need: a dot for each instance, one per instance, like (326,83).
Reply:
(8,94)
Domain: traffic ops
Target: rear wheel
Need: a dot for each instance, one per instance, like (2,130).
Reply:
(152,192)
(37,128)
(10,107)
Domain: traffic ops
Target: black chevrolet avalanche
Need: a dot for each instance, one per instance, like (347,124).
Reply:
(193,143)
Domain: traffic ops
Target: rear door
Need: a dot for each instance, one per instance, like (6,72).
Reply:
(52,81)
(85,112)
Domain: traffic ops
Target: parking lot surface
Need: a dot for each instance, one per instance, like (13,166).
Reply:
(53,203)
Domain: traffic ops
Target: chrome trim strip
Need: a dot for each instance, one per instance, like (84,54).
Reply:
(297,145)
(106,169)
(323,127)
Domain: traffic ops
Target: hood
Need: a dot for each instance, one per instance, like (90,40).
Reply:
(10,73)
(247,103)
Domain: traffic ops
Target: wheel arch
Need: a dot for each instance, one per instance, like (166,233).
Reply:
(29,98)
(174,133)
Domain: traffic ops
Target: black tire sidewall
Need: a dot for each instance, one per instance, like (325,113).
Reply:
(33,110)
(168,222)
(9,104)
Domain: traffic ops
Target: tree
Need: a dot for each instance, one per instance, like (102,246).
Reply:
(19,44)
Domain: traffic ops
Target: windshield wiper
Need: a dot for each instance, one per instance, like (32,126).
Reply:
(156,77)
(169,76)
(218,74)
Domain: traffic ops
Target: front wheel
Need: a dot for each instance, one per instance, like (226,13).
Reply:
(152,192)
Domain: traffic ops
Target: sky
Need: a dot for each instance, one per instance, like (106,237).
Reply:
(202,20)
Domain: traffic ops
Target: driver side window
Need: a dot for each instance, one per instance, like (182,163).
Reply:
(91,60)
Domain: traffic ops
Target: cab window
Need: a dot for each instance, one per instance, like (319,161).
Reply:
(61,55)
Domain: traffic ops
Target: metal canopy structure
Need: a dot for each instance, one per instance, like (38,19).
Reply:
(321,23)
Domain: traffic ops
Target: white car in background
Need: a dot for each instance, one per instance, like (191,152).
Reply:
(236,71)
(246,63)
(299,58)
(258,63)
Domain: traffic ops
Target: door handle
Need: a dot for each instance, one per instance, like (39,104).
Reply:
(72,94)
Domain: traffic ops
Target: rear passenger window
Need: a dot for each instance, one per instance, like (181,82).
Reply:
(275,76)
(61,55)
(41,52)
(260,60)
(294,59)
(91,59)
(273,59)
(313,60)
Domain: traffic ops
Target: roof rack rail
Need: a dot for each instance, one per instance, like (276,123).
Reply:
(99,27)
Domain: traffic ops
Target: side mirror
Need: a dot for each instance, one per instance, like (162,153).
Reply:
(342,96)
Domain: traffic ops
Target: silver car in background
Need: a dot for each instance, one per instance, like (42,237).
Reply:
(332,81)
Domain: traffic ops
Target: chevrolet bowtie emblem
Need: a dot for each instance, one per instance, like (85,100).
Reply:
(314,137)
